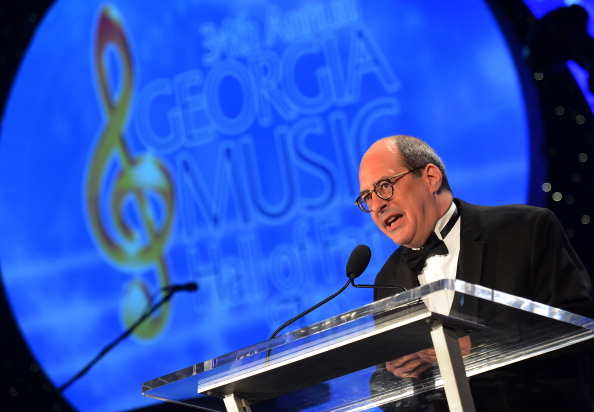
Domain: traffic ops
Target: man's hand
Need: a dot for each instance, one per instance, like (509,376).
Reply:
(409,366)
(412,366)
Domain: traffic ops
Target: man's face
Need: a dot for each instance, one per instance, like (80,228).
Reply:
(409,217)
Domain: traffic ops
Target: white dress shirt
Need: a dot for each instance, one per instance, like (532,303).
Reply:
(443,266)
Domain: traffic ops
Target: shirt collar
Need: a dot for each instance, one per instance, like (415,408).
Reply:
(443,221)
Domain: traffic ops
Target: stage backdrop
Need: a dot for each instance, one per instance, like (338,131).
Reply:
(154,143)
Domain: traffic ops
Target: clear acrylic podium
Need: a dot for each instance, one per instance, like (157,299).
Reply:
(338,364)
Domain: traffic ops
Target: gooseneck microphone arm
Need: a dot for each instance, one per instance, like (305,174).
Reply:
(317,305)
(357,263)
(169,292)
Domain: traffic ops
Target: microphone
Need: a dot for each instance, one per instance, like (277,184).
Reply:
(356,265)
(169,292)
(358,261)
(182,287)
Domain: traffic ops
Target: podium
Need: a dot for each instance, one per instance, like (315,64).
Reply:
(339,364)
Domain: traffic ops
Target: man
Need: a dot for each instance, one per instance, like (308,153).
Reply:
(518,249)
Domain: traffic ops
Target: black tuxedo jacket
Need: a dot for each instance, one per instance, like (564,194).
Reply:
(518,249)
(521,250)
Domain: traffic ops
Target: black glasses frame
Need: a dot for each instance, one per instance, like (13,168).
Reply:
(381,185)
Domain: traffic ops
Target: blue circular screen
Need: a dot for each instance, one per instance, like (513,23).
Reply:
(152,144)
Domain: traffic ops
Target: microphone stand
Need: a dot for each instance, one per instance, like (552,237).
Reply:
(350,281)
(168,294)
(317,305)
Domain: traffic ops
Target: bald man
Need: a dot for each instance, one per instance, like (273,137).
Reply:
(518,249)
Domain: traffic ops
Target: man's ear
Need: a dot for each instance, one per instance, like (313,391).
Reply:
(434,177)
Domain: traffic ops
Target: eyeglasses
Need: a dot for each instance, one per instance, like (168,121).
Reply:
(383,188)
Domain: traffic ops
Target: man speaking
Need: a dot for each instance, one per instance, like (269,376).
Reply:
(517,249)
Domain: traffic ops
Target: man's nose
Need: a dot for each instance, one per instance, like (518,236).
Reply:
(377,203)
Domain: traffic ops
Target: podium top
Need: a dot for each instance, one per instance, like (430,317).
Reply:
(503,329)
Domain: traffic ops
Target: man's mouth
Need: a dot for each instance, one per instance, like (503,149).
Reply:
(391,220)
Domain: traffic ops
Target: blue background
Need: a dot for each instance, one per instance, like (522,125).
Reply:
(263,220)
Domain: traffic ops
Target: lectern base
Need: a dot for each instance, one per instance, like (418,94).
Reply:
(451,366)
(235,404)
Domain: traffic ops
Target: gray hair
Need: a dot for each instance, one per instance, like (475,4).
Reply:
(417,154)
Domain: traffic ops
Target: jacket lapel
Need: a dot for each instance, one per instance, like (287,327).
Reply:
(472,250)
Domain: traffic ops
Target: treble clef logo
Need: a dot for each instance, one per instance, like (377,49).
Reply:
(129,197)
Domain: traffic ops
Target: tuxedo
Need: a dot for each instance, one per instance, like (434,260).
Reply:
(521,250)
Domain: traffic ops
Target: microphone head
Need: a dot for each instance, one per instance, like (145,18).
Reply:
(358,261)
(191,287)
(188,287)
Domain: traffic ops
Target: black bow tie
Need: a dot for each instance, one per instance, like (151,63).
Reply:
(415,259)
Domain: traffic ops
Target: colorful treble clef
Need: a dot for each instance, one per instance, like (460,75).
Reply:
(129,197)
